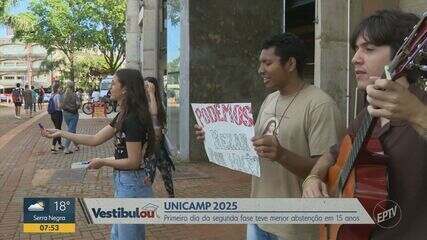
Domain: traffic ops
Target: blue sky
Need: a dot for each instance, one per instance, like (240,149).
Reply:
(173,41)
(173,32)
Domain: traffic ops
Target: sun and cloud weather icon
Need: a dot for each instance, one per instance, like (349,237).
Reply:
(36,207)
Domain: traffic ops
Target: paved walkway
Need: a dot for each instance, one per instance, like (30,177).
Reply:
(8,120)
(28,169)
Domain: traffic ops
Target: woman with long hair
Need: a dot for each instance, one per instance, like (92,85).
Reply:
(163,160)
(70,105)
(134,144)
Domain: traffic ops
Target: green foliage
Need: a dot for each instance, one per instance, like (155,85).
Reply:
(55,25)
(173,71)
(174,11)
(109,34)
(70,26)
(2,8)
(90,68)
(4,5)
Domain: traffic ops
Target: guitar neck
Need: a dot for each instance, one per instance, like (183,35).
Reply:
(364,131)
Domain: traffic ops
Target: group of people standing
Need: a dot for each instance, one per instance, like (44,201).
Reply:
(296,154)
(138,131)
(29,97)
(64,107)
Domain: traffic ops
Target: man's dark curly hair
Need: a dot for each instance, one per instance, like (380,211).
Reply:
(288,45)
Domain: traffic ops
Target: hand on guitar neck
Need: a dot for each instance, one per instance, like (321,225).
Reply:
(393,100)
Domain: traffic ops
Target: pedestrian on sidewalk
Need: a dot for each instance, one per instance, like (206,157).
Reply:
(132,128)
(54,109)
(79,94)
(158,115)
(34,95)
(70,104)
(17,100)
(41,98)
(28,101)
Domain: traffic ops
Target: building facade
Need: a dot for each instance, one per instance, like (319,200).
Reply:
(20,63)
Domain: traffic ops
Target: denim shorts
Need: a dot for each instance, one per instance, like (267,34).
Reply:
(130,184)
(253,232)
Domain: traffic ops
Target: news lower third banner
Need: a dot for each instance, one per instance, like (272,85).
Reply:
(224,211)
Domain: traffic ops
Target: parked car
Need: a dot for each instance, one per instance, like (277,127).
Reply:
(3,97)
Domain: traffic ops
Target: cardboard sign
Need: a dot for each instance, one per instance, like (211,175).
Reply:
(229,128)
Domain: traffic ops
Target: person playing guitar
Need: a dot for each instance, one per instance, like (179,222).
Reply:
(402,145)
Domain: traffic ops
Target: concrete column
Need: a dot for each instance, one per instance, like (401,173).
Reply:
(355,15)
(331,49)
(150,39)
(184,94)
(133,35)
(370,6)
(414,6)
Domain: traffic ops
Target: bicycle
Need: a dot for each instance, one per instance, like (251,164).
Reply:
(87,107)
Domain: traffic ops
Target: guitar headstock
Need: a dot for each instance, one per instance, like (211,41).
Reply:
(413,52)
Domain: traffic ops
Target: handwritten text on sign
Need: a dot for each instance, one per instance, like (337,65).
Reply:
(228,130)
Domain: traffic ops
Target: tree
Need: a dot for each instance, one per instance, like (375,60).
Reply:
(173,71)
(91,68)
(55,25)
(109,36)
(4,4)
(174,11)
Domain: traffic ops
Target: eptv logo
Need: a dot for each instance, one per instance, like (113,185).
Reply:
(387,214)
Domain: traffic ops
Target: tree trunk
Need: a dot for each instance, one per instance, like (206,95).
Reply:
(72,72)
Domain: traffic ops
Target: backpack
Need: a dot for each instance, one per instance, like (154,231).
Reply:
(16,95)
(51,105)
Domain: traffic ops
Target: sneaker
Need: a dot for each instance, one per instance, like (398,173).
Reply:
(60,147)
(67,151)
(53,150)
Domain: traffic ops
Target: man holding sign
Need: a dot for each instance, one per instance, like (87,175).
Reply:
(296,124)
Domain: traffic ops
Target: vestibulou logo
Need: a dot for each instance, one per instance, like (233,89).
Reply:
(387,214)
(148,211)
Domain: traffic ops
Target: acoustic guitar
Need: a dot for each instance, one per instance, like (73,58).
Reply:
(361,169)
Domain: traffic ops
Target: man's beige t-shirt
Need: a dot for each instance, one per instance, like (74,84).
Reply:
(310,126)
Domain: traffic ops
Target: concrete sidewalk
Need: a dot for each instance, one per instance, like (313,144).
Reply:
(28,169)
